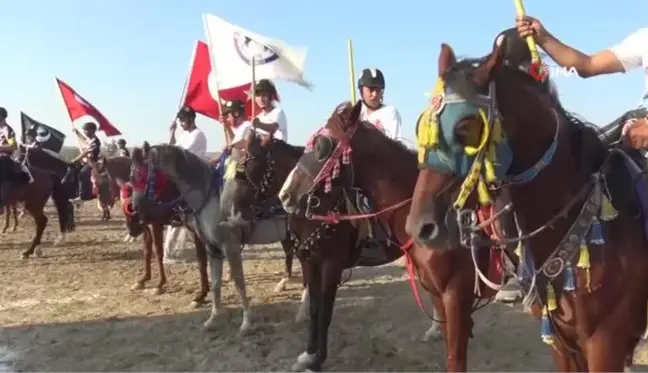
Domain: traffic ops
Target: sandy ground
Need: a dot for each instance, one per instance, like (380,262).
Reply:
(73,310)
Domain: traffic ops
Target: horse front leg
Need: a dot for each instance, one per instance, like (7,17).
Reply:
(40,221)
(235,260)
(216,269)
(287,246)
(312,275)
(147,250)
(201,254)
(7,218)
(14,211)
(158,244)
(302,312)
(457,301)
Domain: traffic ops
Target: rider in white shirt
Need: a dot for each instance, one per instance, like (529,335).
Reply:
(629,54)
(176,246)
(385,117)
(191,138)
(272,119)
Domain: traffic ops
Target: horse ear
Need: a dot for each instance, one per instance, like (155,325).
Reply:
(487,70)
(355,112)
(447,58)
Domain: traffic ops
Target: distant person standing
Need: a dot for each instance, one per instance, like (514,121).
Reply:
(121,146)
(195,141)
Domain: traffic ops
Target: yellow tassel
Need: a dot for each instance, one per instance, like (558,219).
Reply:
(518,249)
(489,165)
(608,212)
(482,193)
(552,304)
(584,263)
(497,134)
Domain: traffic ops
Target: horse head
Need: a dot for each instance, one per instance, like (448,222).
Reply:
(316,183)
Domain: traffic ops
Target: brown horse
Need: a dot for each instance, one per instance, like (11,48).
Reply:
(587,255)
(46,182)
(149,204)
(104,174)
(347,155)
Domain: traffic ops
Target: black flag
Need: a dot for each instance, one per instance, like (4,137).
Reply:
(46,136)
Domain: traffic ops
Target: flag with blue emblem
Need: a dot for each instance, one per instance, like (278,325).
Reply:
(235,47)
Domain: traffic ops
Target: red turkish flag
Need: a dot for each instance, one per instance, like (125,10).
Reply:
(198,95)
(78,107)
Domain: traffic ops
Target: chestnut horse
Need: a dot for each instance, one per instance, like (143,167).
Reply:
(579,205)
(347,155)
(150,203)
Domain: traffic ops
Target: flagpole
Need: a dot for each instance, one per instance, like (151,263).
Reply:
(213,68)
(351,70)
(253,86)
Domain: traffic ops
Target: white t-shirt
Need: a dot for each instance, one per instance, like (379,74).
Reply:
(386,119)
(278,116)
(633,54)
(241,131)
(194,141)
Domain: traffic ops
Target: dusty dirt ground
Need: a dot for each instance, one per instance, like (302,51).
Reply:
(73,310)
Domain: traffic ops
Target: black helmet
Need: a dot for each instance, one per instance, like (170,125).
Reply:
(265,86)
(235,107)
(3,113)
(371,78)
(89,126)
(186,113)
(121,142)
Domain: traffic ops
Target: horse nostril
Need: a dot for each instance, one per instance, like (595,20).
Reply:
(429,231)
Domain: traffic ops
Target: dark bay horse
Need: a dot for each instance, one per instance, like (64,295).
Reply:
(347,155)
(11,211)
(104,174)
(580,207)
(149,203)
(34,195)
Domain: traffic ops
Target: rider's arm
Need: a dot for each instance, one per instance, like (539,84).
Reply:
(623,57)
(274,124)
(12,144)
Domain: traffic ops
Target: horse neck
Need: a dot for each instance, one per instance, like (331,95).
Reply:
(538,200)
(285,161)
(387,172)
(194,194)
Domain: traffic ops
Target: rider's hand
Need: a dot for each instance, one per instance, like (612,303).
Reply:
(174,125)
(636,134)
(529,26)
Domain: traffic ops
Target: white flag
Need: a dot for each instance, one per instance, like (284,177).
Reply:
(232,48)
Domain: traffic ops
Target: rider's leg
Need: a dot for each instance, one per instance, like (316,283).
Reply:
(84,184)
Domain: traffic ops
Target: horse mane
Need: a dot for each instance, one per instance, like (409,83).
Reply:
(293,150)
(400,159)
(182,159)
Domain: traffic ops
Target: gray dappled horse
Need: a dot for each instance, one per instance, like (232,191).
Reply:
(223,230)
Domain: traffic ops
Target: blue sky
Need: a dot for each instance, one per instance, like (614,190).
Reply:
(130,58)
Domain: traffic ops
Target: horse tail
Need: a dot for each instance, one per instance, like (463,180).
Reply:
(64,208)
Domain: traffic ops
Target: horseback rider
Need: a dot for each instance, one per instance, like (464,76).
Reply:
(121,146)
(8,145)
(629,54)
(385,117)
(236,125)
(176,245)
(90,149)
(192,138)
(30,139)
(271,119)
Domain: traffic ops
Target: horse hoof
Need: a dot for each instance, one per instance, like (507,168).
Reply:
(38,252)
(138,286)
(24,256)
(196,304)
(303,362)
(281,286)
(210,324)
(431,334)
(245,328)
(155,291)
